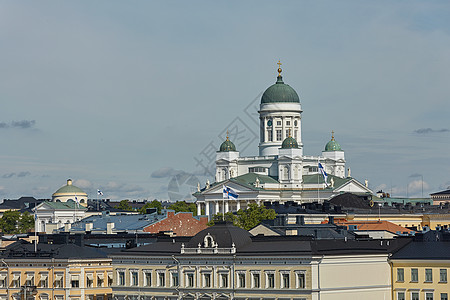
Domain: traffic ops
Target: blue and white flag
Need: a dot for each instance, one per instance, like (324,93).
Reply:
(76,200)
(228,193)
(324,174)
(100,193)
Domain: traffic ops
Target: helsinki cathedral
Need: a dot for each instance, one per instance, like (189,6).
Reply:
(280,172)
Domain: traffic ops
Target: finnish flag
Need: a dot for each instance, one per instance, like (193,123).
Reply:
(324,174)
(100,193)
(228,193)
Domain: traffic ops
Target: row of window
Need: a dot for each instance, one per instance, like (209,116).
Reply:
(205,280)
(43,282)
(428,275)
(279,136)
(278,122)
(415,296)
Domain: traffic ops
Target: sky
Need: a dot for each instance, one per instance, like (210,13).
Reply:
(134,97)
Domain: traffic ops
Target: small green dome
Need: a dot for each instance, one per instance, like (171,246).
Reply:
(289,143)
(227,145)
(69,189)
(280,92)
(333,145)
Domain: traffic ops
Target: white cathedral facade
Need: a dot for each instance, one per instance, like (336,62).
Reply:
(280,172)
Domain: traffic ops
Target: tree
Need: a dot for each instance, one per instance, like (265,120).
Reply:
(183,206)
(248,218)
(253,215)
(124,205)
(13,221)
(154,204)
(229,217)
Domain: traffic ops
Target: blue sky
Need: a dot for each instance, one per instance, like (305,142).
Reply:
(127,96)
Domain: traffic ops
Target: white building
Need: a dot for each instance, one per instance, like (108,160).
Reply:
(281,172)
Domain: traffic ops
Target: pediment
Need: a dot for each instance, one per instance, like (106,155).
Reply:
(353,186)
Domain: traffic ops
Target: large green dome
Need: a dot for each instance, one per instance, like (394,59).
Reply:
(69,189)
(280,92)
(289,143)
(333,145)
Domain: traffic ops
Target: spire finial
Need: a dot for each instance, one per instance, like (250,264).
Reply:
(332,135)
(279,68)
(227,135)
(289,132)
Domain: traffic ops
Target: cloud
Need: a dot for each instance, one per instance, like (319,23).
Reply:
(20,174)
(430,130)
(23,174)
(83,183)
(166,172)
(416,186)
(415,175)
(115,189)
(24,124)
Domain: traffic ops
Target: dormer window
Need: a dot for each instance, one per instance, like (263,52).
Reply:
(208,241)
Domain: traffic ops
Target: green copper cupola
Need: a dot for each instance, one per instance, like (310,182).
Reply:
(333,145)
(227,146)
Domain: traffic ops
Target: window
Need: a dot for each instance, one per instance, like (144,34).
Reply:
(161,279)
(207,280)
(288,123)
(288,132)
(428,275)
(428,296)
(400,274)
(241,278)
(100,279)
(414,275)
(278,123)
(256,280)
(257,169)
(2,280)
(295,123)
(301,280)
(89,280)
(414,296)
(30,279)
(190,279)
(75,281)
(269,135)
(16,280)
(134,278)
(58,283)
(110,279)
(147,278)
(295,133)
(175,281)
(270,284)
(285,280)
(121,278)
(444,296)
(401,296)
(443,275)
(278,135)
(224,280)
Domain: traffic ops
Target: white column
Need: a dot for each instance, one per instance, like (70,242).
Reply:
(207,209)
(226,208)
(199,208)
(217,207)
(238,205)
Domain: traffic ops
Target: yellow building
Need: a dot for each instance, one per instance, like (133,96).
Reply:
(54,272)
(420,269)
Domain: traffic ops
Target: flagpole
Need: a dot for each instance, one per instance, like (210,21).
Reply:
(35,230)
(318,177)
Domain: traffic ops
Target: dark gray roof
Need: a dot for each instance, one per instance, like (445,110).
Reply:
(224,235)
(266,245)
(25,250)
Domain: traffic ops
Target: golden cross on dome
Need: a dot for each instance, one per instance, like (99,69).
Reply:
(227,135)
(289,132)
(332,135)
(279,67)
